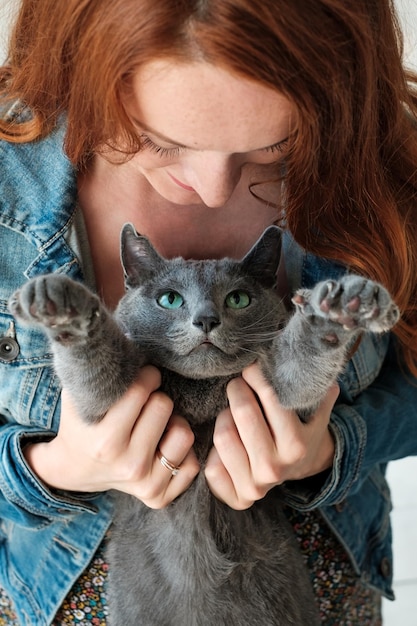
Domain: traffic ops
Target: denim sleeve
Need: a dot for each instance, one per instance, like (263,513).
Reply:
(378,426)
(29,411)
(24,499)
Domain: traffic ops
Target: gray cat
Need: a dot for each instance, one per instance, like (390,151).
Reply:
(197,562)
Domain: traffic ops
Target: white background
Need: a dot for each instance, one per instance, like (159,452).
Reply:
(402,474)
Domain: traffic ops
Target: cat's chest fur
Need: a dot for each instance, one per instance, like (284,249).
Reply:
(199,401)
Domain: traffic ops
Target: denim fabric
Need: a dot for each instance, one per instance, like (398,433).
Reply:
(46,538)
(374,421)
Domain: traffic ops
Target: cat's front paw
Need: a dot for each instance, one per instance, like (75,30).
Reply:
(353,302)
(66,310)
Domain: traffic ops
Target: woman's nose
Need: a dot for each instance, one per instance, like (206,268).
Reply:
(214,176)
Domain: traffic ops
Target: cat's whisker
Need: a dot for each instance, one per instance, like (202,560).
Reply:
(276,314)
(248,351)
(260,337)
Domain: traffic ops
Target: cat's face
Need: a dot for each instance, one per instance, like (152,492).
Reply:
(200,318)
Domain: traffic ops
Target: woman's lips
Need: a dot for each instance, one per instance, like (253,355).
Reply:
(180,184)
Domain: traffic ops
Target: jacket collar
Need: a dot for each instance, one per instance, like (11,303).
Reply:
(38,196)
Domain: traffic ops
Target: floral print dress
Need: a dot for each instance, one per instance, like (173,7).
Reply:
(342,599)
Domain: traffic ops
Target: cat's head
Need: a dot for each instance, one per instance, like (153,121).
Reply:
(201,318)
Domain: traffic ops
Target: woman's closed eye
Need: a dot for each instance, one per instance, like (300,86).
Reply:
(280,147)
(175,150)
(160,150)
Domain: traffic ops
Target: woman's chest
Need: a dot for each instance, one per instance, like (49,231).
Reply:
(190,231)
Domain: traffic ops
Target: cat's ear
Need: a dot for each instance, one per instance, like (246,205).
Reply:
(263,258)
(140,260)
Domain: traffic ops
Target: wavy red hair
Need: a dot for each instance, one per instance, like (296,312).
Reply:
(351,178)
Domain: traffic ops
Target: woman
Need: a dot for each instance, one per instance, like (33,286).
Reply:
(201,123)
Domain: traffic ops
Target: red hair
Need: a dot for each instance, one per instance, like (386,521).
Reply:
(351,170)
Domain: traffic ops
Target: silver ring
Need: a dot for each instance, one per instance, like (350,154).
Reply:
(169,466)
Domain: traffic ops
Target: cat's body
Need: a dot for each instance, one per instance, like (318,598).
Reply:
(198,562)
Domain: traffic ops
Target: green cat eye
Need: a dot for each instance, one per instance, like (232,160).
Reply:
(237,300)
(171,300)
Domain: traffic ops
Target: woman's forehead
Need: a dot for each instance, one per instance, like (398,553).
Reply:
(205,107)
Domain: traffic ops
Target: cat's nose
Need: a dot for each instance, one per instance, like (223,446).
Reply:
(206,322)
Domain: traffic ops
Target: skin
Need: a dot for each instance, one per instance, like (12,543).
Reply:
(207,134)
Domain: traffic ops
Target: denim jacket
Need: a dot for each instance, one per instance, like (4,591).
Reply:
(47,538)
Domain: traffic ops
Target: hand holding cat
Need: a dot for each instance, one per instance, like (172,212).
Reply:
(256,449)
(121,452)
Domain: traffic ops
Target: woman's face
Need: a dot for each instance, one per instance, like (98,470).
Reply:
(201,127)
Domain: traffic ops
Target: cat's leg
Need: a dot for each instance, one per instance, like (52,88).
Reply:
(92,357)
(310,352)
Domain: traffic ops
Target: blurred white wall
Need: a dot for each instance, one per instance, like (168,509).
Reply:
(407,10)
(7,11)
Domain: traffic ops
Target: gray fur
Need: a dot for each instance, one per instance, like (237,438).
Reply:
(198,562)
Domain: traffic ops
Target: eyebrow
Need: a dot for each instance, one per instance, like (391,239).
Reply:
(147,129)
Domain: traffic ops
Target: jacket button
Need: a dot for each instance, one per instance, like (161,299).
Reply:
(340,506)
(385,567)
(9,349)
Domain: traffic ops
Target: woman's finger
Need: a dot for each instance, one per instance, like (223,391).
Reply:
(221,484)
(167,489)
(247,412)
(121,416)
(303,449)
(234,477)
(176,441)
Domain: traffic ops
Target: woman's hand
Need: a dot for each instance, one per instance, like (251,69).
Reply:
(122,451)
(256,450)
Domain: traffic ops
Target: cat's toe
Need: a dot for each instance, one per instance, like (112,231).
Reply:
(336,305)
(14,304)
(23,302)
(379,312)
(368,305)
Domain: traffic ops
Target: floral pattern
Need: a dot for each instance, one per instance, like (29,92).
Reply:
(86,604)
(341,597)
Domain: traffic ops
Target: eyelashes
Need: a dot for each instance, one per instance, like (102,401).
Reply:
(277,148)
(162,152)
